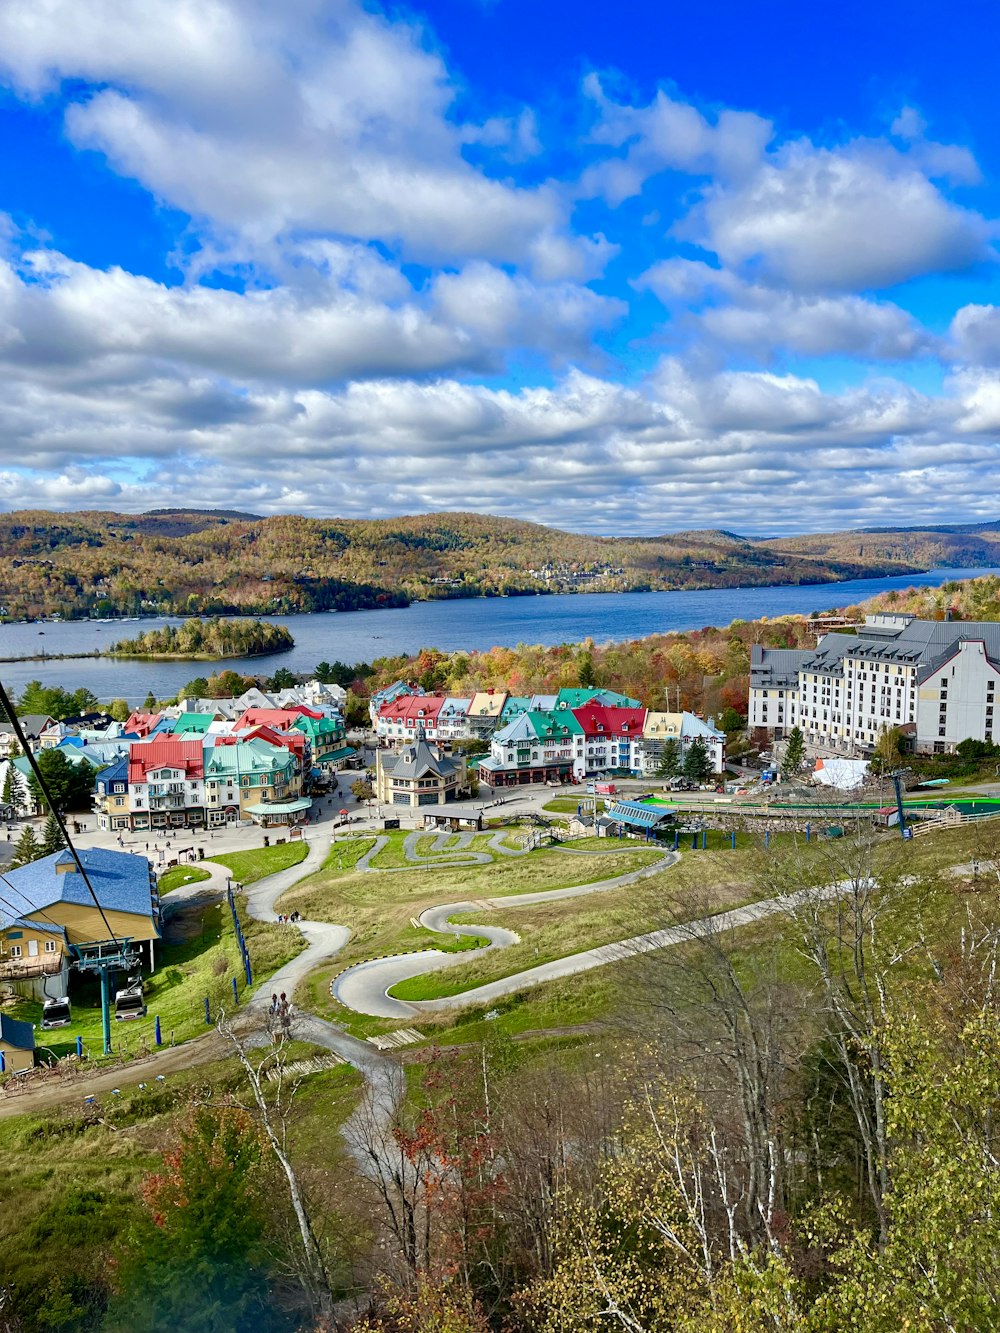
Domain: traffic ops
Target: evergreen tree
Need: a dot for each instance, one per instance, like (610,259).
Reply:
(13,789)
(795,750)
(697,763)
(150,703)
(28,848)
(670,759)
(52,838)
(585,672)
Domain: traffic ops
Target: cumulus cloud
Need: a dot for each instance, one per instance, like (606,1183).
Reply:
(760,321)
(863,216)
(269,121)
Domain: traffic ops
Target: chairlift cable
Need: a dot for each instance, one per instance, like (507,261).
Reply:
(15,722)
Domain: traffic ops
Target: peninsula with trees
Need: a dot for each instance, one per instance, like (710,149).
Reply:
(207,640)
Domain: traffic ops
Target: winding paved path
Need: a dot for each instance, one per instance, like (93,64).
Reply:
(365,987)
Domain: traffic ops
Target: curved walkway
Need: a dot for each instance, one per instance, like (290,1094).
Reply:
(451,849)
(365,987)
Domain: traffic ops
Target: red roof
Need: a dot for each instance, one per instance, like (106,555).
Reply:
(146,755)
(279,718)
(141,723)
(296,741)
(413,709)
(608,720)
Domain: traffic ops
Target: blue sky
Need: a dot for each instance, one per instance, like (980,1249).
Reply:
(626,268)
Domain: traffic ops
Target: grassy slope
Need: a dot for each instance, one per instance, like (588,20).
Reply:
(180,875)
(69,1180)
(248,867)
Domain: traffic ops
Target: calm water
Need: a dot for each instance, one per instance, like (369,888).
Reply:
(361,636)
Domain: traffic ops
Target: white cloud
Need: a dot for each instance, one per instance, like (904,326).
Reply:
(272,121)
(854,218)
(760,321)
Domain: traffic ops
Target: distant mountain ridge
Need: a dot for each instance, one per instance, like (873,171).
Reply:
(181,561)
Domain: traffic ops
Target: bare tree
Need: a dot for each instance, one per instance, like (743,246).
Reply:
(273,1107)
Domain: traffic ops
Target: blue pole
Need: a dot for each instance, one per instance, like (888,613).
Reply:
(79,1047)
(767,838)
(159,1034)
(694,842)
(677,839)
(704,839)
(106,1009)
(3,1063)
(808,833)
(236,994)
(732,839)
(208,1015)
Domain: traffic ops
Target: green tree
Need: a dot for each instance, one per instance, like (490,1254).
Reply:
(283,679)
(198,1258)
(194,689)
(13,789)
(149,704)
(28,848)
(669,764)
(795,750)
(697,762)
(889,750)
(52,838)
(69,785)
(362,789)
(585,672)
(119,709)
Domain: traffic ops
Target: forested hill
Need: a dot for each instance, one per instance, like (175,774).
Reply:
(214,562)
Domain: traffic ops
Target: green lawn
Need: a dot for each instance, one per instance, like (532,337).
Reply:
(248,867)
(179,875)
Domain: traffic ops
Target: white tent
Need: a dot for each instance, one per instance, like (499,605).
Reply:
(843,773)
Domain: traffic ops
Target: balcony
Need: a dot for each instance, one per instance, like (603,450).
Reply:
(20,969)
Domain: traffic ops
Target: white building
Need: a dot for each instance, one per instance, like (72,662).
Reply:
(684,728)
(934,680)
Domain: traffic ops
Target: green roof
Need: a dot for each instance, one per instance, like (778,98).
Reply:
(318,726)
(576,698)
(247,757)
(198,723)
(345,752)
(550,726)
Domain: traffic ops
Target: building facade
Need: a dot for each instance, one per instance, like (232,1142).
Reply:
(935,681)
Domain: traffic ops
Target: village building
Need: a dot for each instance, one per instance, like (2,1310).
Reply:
(934,681)
(535,747)
(417,775)
(684,728)
(47,913)
(17,1045)
(484,712)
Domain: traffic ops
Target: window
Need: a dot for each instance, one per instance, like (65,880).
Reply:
(50,946)
(942,731)
(15,951)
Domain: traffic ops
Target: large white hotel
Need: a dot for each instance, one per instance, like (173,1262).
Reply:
(935,680)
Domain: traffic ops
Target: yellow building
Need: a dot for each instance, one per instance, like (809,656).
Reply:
(47,913)
(17,1045)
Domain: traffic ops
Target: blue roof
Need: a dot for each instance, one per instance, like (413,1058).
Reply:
(115,773)
(638,815)
(120,880)
(16,1033)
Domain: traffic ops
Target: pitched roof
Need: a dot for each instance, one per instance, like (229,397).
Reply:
(147,756)
(17,1033)
(552,725)
(33,724)
(412,708)
(579,696)
(610,721)
(247,757)
(416,760)
(193,722)
(487,703)
(120,880)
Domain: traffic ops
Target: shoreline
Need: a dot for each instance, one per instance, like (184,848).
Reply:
(833,582)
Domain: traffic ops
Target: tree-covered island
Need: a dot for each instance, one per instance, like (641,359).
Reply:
(207,640)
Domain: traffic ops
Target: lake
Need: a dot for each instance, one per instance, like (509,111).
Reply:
(479,623)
